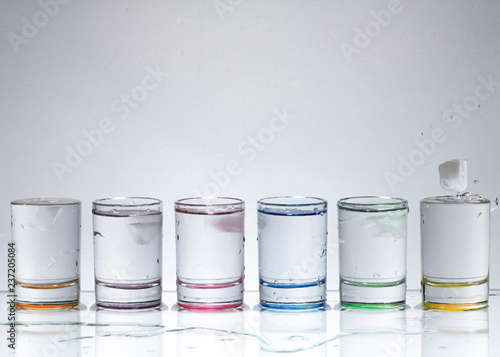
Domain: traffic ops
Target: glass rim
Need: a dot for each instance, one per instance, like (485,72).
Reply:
(102,201)
(391,204)
(450,199)
(46,201)
(320,201)
(236,201)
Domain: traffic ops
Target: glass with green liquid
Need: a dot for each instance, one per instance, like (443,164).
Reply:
(372,251)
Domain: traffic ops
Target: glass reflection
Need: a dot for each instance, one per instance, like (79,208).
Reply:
(48,333)
(217,332)
(375,333)
(455,333)
(126,333)
(300,333)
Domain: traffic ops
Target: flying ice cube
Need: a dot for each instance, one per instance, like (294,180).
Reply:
(453,175)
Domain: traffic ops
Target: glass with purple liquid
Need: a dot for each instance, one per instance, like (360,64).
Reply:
(127,252)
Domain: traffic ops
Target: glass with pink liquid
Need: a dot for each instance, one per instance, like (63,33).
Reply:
(210,252)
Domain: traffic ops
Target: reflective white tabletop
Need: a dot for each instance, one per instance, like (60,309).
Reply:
(250,331)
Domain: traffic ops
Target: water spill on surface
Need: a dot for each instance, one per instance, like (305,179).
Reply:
(250,331)
(298,343)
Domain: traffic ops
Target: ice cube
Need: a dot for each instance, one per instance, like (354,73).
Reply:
(228,223)
(146,229)
(453,175)
(46,217)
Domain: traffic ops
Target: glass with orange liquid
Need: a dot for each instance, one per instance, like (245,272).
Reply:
(46,237)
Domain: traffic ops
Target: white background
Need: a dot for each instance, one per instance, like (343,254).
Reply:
(353,116)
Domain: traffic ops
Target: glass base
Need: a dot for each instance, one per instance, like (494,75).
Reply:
(375,296)
(210,296)
(128,296)
(293,296)
(455,296)
(47,296)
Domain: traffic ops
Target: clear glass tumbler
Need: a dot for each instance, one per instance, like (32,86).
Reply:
(46,235)
(455,238)
(372,251)
(292,234)
(210,252)
(127,252)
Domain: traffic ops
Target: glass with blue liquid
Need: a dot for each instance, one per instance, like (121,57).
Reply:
(292,234)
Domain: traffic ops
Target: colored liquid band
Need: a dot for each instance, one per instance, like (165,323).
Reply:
(309,305)
(46,307)
(210,307)
(289,306)
(294,214)
(456,307)
(293,286)
(48,288)
(453,285)
(233,300)
(375,305)
(388,306)
(463,305)
(374,285)
(209,286)
(131,306)
(138,301)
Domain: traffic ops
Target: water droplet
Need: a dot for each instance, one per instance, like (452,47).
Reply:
(476,181)
(177,237)
(375,275)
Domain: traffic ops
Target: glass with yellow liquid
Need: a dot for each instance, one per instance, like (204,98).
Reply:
(455,234)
